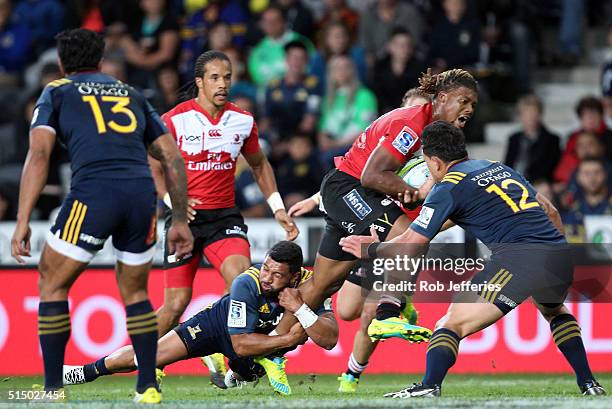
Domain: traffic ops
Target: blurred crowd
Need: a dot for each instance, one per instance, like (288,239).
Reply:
(315,73)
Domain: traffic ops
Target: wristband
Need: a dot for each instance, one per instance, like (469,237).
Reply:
(316,197)
(167,200)
(371,251)
(305,316)
(275,201)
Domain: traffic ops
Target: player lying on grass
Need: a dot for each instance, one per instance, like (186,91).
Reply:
(351,302)
(530,256)
(237,325)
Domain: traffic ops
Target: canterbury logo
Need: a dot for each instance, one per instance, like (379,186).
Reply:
(215,133)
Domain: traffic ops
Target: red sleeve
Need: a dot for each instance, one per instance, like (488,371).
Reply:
(401,140)
(251,143)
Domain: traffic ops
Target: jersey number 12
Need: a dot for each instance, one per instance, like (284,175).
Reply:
(523,203)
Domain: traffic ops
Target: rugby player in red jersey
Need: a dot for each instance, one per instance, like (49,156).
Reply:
(356,195)
(211,132)
(351,302)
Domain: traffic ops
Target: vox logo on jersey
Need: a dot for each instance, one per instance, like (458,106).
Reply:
(190,144)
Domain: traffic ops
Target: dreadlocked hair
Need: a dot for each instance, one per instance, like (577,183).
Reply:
(190,90)
(446,80)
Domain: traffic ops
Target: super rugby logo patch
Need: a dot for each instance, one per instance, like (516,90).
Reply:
(425,217)
(405,140)
(237,314)
(356,203)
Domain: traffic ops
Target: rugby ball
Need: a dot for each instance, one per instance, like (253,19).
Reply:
(414,172)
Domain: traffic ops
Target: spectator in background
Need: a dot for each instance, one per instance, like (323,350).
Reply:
(545,188)
(245,103)
(348,108)
(588,145)
(590,114)
(339,11)
(534,150)
(593,198)
(115,67)
(195,33)
(241,84)
(49,72)
(299,174)
(292,103)
(298,17)
(249,199)
(570,31)
(606,84)
(52,193)
(267,58)
(336,40)
(97,15)
(220,37)
(44,18)
(153,42)
(455,38)
(168,84)
(376,26)
(507,42)
(14,46)
(16,142)
(397,72)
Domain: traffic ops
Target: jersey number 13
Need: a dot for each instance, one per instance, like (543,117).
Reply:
(120,107)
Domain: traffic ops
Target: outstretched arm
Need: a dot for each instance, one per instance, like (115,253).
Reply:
(305,206)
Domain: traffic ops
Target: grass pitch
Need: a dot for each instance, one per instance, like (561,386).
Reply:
(459,391)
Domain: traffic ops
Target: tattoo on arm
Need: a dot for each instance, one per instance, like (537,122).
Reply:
(156,152)
(176,183)
(164,149)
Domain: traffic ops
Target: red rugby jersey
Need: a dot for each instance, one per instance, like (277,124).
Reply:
(210,147)
(398,131)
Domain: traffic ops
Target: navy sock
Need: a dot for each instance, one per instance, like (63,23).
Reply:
(94,370)
(387,310)
(101,367)
(142,328)
(566,333)
(53,333)
(441,355)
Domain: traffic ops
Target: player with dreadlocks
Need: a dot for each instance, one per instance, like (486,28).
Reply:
(356,196)
(211,132)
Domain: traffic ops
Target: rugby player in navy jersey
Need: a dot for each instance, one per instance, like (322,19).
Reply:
(237,325)
(529,254)
(108,128)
